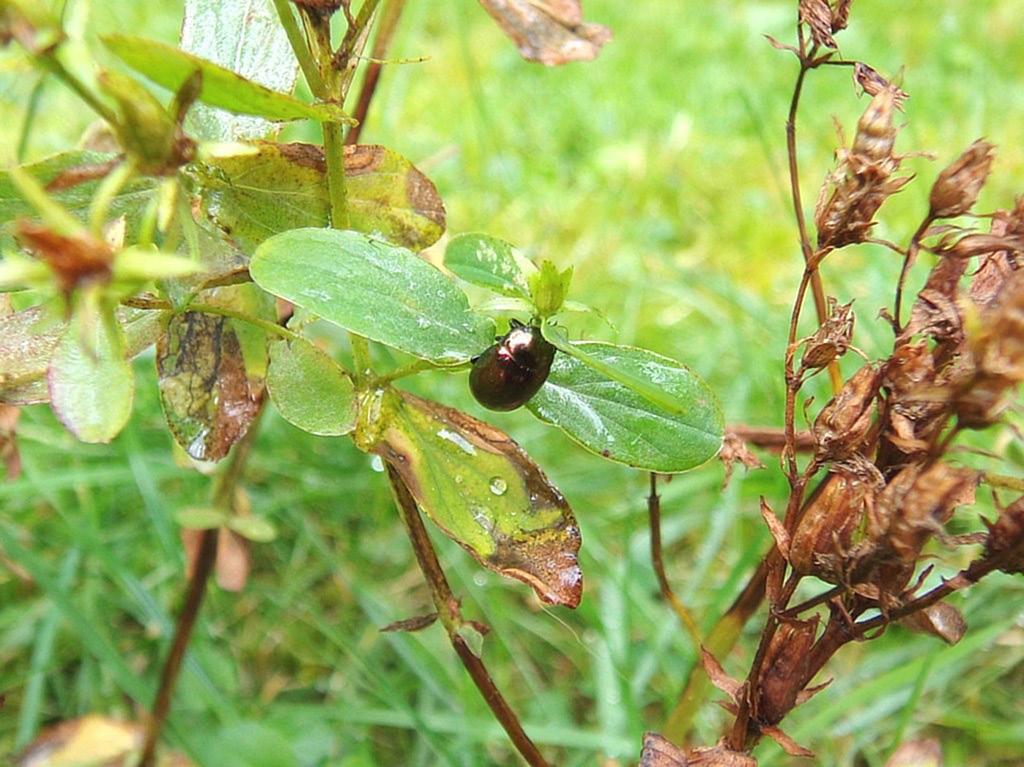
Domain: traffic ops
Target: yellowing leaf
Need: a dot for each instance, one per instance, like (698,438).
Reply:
(485,492)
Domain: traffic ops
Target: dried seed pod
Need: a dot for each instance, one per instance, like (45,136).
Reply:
(840,428)
(832,339)
(817,15)
(997,352)
(915,505)
(872,83)
(820,544)
(957,187)
(935,312)
(1006,537)
(997,266)
(841,15)
(863,180)
(941,620)
(784,671)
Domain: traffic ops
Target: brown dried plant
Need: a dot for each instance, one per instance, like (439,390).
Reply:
(880,480)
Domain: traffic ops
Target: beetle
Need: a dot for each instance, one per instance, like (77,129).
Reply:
(509,373)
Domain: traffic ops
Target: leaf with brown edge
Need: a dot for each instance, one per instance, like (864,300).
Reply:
(253,195)
(204,389)
(484,492)
(551,32)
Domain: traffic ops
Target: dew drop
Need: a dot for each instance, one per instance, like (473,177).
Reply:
(498,485)
(377,463)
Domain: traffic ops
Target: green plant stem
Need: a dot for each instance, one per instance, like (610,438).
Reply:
(418,366)
(334,155)
(300,48)
(1003,481)
(221,494)
(159,304)
(52,64)
(31,110)
(448,611)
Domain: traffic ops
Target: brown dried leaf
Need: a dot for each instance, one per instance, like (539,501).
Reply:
(734,450)
(551,32)
(806,694)
(957,187)
(917,753)
(417,623)
(817,15)
(719,678)
(483,491)
(205,391)
(941,620)
(788,745)
(996,267)
(1006,538)
(776,528)
(659,752)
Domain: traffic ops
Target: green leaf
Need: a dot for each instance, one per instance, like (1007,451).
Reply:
(204,389)
(71,178)
(490,263)
(90,381)
(252,195)
(171,67)
(310,390)
(255,529)
(479,486)
(374,289)
(631,406)
(201,518)
(28,340)
(248,39)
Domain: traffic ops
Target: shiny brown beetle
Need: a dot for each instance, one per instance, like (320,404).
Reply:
(509,373)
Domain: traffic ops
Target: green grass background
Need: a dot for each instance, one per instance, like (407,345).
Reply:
(657,171)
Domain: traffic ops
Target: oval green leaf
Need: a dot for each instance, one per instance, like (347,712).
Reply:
(485,492)
(381,292)
(89,379)
(631,406)
(277,187)
(310,390)
(255,529)
(170,67)
(490,263)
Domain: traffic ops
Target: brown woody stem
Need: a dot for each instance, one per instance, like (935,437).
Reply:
(654,512)
(222,494)
(448,611)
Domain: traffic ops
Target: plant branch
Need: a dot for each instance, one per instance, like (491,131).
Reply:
(448,611)
(770,437)
(908,260)
(385,34)
(302,54)
(654,512)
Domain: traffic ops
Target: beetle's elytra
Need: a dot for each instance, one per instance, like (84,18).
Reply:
(509,373)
